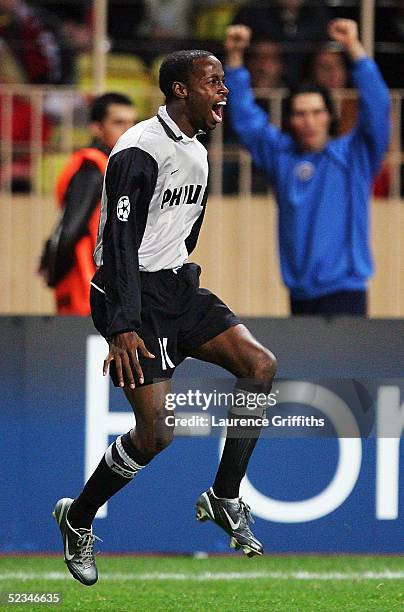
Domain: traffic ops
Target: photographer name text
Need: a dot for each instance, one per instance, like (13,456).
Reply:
(213,421)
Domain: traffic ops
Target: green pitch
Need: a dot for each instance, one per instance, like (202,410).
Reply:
(143,584)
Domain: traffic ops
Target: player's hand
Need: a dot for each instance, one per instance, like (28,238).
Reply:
(123,349)
(344,31)
(237,40)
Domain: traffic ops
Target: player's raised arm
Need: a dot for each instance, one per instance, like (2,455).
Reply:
(248,119)
(238,38)
(374,101)
(345,32)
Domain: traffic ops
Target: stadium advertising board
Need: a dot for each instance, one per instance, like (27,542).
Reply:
(311,488)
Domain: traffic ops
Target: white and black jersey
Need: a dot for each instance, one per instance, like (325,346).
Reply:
(153,204)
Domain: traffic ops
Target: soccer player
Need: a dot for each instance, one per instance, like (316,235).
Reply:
(67,262)
(147,303)
(322,184)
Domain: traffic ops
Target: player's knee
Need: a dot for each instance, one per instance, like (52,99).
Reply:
(263,368)
(162,441)
(163,432)
(156,439)
(151,447)
(158,443)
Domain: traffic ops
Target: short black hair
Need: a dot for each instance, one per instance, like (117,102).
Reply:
(99,108)
(178,66)
(308,88)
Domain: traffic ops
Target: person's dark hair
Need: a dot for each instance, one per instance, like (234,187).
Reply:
(307,88)
(99,108)
(178,66)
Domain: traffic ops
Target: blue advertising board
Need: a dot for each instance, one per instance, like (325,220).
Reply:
(308,494)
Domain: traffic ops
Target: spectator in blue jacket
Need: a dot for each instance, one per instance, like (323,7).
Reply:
(322,184)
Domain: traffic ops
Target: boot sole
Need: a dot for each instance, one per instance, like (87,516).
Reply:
(202,515)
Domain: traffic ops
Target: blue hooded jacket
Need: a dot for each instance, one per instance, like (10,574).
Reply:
(323,197)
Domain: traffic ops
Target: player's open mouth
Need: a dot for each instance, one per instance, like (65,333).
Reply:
(217,111)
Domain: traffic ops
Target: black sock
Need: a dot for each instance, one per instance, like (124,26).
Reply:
(233,466)
(116,469)
(239,445)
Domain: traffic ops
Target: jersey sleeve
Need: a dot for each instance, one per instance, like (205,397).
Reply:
(250,121)
(80,201)
(192,238)
(373,127)
(130,182)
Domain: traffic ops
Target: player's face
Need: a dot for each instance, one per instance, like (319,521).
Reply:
(310,121)
(120,117)
(206,94)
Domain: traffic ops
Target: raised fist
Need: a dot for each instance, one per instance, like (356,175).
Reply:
(344,31)
(237,38)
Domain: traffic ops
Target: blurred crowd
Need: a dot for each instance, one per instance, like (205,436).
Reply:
(42,38)
(48,42)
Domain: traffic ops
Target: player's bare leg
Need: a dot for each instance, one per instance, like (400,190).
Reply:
(151,434)
(237,351)
(129,453)
(240,353)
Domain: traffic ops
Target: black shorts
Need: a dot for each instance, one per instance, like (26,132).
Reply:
(177,317)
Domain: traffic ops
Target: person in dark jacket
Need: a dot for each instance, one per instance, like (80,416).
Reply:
(67,261)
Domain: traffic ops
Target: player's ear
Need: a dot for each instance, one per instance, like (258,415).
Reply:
(180,90)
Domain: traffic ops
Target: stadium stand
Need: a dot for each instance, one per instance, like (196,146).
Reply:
(134,72)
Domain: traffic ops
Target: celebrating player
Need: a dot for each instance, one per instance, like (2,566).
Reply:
(147,303)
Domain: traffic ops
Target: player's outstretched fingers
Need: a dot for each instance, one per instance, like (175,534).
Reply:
(135,360)
(127,369)
(107,362)
(138,368)
(119,371)
(145,351)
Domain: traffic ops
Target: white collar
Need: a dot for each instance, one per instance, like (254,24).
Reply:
(162,112)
